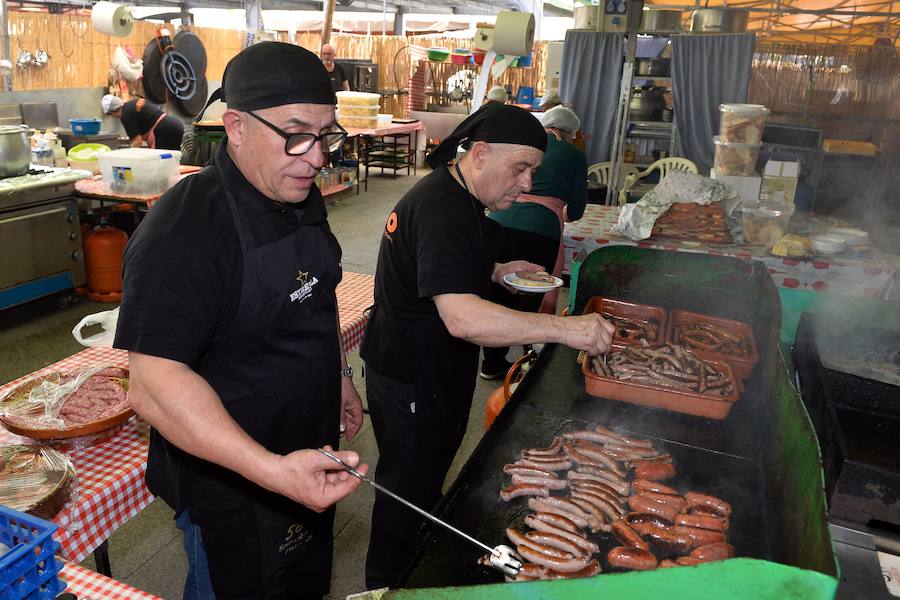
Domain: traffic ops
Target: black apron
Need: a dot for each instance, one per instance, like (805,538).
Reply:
(278,376)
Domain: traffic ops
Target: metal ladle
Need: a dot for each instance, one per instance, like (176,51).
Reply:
(503,558)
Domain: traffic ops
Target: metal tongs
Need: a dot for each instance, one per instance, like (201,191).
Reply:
(503,558)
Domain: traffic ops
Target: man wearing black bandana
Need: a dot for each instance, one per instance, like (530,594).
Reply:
(230,318)
(435,266)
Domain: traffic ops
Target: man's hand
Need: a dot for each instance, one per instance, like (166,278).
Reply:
(501,269)
(351,409)
(314,480)
(591,333)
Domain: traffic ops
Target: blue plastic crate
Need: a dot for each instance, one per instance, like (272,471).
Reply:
(85,126)
(29,569)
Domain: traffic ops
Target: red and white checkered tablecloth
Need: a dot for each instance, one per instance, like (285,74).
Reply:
(110,476)
(870,277)
(88,585)
(355,293)
(109,487)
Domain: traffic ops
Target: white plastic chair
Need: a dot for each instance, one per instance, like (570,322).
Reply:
(664,166)
(599,173)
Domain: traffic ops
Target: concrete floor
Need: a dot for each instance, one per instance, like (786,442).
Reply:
(146,552)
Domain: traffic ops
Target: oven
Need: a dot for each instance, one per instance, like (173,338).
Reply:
(40,238)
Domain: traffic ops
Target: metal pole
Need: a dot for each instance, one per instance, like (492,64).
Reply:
(4,22)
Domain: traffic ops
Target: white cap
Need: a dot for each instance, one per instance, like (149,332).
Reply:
(497,94)
(562,118)
(551,97)
(110,103)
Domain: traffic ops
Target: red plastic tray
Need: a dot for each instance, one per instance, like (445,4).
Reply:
(689,403)
(599,304)
(741,366)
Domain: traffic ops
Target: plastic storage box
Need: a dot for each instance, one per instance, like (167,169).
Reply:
(354,110)
(85,126)
(139,170)
(734,158)
(359,122)
(358,98)
(742,123)
(766,223)
(29,569)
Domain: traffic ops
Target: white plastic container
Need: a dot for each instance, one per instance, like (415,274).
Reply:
(358,98)
(733,158)
(140,170)
(742,123)
(359,122)
(385,120)
(766,223)
(353,110)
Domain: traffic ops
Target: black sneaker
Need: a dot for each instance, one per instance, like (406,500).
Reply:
(494,370)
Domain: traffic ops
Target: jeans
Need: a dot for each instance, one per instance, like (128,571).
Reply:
(198,585)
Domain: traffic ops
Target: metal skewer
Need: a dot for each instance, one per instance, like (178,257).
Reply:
(503,557)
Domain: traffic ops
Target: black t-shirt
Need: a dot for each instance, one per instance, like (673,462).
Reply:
(437,241)
(182,268)
(337,77)
(139,117)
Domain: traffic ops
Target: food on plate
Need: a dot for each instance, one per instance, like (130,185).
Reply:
(707,336)
(670,366)
(34,479)
(793,245)
(691,221)
(67,399)
(541,279)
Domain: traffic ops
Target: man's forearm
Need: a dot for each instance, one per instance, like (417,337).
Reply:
(487,324)
(183,407)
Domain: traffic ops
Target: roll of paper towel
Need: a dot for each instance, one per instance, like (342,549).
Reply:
(513,33)
(111,18)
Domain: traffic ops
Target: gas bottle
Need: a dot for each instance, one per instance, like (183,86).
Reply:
(103,251)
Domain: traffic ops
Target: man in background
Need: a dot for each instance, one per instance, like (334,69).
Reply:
(336,75)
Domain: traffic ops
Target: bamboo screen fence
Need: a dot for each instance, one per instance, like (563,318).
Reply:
(849,92)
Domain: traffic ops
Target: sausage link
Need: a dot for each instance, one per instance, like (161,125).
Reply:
(542,505)
(707,501)
(631,558)
(550,484)
(630,441)
(556,541)
(653,470)
(700,537)
(701,521)
(556,520)
(575,538)
(642,485)
(563,565)
(522,489)
(518,538)
(667,564)
(592,568)
(640,503)
(711,552)
(628,536)
(688,561)
(513,469)
(677,502)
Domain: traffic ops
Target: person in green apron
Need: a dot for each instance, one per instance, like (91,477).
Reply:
(435,265)
(532,227)
(230,318)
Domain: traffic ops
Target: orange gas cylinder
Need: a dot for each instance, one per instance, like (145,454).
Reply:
(103,251)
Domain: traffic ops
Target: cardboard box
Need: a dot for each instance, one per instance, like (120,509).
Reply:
(781,176)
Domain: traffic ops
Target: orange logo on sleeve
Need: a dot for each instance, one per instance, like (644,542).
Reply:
(392,223)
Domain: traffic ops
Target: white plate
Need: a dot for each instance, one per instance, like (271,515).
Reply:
(828,244)
(853,237)
(513,281)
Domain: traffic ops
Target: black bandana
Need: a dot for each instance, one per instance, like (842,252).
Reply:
(273,74)
(492,123)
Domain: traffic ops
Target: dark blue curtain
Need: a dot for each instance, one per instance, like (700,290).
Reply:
(589,80)
(707,70)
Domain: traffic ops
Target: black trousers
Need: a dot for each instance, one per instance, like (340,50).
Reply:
(417,440)
(168,134)
(516,244)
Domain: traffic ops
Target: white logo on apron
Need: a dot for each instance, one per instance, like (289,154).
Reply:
(306,287)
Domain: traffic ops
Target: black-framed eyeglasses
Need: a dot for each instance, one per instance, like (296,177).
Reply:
(296,144)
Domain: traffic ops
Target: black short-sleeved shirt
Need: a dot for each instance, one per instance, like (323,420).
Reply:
(139,117)
(182,268)
(436,241)
(337,77)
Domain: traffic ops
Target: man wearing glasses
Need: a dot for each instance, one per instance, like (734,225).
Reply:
(230,318)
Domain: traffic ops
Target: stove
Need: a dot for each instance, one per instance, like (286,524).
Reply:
(854,405)
(40,234)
